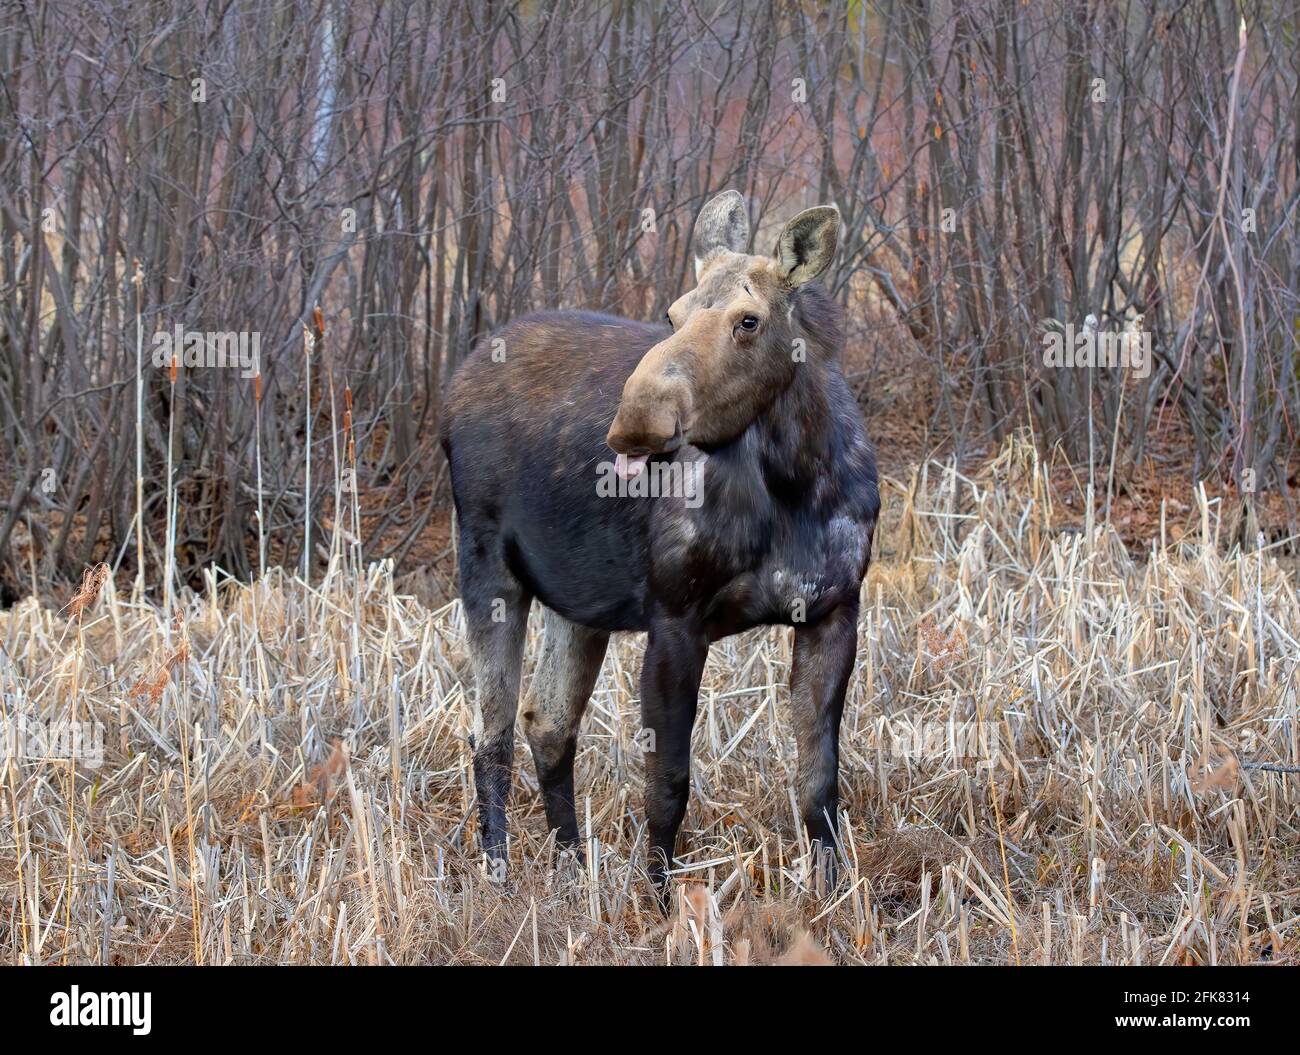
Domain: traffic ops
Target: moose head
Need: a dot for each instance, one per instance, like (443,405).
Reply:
(732,346)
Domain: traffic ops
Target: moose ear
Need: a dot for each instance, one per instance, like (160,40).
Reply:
(807,245)
(723,224)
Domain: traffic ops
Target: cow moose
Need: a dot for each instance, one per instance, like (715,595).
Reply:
(743,390)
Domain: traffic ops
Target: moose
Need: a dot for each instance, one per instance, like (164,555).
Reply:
(744,388)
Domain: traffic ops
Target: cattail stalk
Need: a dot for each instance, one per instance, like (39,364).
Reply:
(257,448)
(336,545)
(196,923)
(137,280)
(307,342)
(71,794)
(171,500)
(261,533)
(352,465)
(92,583)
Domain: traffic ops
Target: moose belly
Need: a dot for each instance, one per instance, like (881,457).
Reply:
(595,578)
(581,552)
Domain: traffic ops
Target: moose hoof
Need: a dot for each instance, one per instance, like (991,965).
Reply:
(494,867)
(825,875)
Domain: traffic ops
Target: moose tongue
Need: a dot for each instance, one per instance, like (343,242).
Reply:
(629,467)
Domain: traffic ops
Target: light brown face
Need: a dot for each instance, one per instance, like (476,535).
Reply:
(730,351)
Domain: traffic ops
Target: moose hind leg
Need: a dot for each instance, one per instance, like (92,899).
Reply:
(561,687)
(496,615)
(824,654)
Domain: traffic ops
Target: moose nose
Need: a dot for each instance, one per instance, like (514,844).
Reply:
(644,445)
(650,414)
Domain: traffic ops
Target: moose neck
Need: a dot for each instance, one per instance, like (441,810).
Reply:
(794,431)
(791,441)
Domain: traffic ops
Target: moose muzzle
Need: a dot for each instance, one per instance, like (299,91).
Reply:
(655,412)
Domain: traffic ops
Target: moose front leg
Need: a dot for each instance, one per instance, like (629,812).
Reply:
(670,687)
(824,654)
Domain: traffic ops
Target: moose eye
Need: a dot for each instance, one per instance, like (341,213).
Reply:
(749,323)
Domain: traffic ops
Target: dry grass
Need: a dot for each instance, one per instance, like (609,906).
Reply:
(1050,755)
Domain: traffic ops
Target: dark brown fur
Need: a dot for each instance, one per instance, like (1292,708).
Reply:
(781,534)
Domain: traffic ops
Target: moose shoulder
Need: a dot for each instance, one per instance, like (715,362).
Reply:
(690,480)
